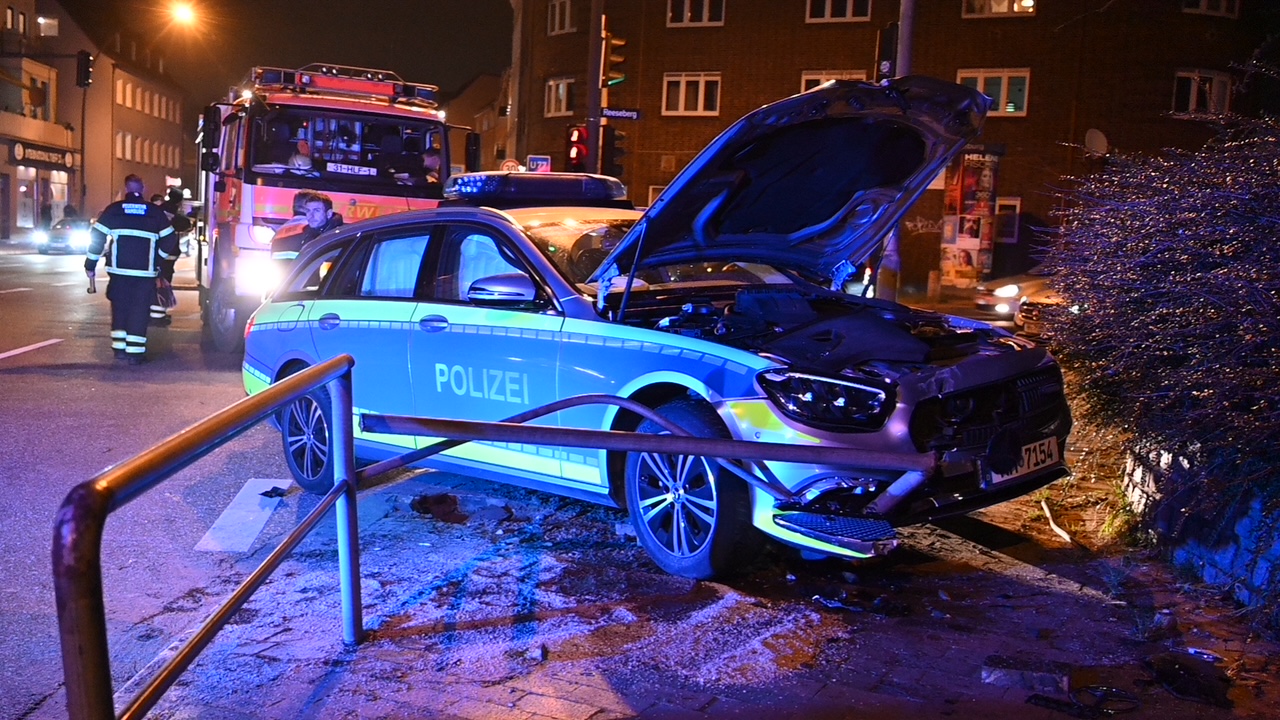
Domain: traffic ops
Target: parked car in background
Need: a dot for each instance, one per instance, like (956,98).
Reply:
(67,235)
(1037,311)
(720,307)
(1001,296)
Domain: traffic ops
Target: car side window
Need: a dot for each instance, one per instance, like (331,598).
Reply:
(467,254)
(394,264)
(308,279)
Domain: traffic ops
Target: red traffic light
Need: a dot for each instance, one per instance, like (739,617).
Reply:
(577,152)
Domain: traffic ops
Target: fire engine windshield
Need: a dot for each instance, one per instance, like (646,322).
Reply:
(349,152)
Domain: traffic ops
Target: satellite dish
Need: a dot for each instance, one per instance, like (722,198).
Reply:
(1095,143)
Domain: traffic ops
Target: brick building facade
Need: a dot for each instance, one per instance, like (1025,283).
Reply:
(1135,73)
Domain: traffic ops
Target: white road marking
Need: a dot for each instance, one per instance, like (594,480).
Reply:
(84,282)
(29,348)
(3,292)
(239,525)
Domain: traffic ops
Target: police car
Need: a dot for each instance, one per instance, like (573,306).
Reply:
(718,306)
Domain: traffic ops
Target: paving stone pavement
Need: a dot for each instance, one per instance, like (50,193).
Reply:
(536,609)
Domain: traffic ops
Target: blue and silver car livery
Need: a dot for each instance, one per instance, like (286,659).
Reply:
(714,307)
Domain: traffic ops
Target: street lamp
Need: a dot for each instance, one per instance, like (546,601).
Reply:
(183,13)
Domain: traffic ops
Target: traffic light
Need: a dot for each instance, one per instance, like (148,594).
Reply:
(610,74)
(612,150)
(84,69)
(887,52)
(576,149)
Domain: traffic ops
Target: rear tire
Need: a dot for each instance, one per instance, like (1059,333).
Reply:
(690,515)
(308,441)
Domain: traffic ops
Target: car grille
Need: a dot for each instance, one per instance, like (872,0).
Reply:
(1033,405)
(1030,311)
(864,529)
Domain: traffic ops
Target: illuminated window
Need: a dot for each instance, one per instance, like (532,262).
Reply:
(559,17)
(997,8)
(1007,88)
(119,146)
(8,18)
(813,78)
(838,11)
(22,24)
(559,98)
(1225,8)
(695,12)
(1201,91)
(128,146)
(119,91)
(691,94)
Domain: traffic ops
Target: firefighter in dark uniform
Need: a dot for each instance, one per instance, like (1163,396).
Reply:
(141,238)
(172,207)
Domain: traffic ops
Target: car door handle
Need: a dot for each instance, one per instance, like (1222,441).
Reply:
(434,323)
(329,321)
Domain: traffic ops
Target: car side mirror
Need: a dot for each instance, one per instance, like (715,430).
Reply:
(505,290)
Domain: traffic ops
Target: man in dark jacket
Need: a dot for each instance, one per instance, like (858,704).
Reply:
(317,216)
(172,207)
(141,238)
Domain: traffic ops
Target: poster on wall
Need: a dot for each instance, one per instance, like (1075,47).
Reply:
(969,213)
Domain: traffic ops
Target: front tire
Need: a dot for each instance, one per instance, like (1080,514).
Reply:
(691,516)
(225,317)
(308,441)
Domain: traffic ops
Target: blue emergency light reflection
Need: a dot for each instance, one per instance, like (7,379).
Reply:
(548,186)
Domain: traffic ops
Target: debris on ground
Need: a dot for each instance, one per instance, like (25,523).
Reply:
(1190,677)
(441,506)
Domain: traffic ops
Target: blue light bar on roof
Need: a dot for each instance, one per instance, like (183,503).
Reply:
(513,186)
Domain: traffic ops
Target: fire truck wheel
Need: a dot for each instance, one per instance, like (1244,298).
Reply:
(226,318)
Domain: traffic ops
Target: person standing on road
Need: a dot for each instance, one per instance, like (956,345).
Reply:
(164,300)
(141,238)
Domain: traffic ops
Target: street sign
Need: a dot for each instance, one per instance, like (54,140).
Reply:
(510,166)
(621,113)
(538,163)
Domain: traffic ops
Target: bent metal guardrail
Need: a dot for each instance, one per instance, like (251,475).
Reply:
(77,539)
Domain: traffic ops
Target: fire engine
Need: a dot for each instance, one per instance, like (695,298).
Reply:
(363,137)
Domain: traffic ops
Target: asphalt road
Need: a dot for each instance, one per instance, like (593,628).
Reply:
(67,412)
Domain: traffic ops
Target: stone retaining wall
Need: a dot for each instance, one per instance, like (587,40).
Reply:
(1238,552)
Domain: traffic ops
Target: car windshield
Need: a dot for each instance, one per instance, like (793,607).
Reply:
(348,151)
(577,247)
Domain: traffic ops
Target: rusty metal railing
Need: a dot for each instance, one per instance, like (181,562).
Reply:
(77,539)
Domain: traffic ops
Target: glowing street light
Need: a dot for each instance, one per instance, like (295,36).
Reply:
(183,14)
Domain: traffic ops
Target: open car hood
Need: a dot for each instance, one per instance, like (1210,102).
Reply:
(810,182)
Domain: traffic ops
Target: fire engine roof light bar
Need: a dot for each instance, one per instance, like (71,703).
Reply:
(345,80)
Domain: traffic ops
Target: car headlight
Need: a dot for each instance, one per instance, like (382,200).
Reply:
(80,239)
(829,403)
(41,237)
(1006,291)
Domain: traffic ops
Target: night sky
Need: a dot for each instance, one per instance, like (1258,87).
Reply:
(441,42)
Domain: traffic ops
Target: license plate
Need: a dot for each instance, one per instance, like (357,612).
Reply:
(1034,456)
(1033,327)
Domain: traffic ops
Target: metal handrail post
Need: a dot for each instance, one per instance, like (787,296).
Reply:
(344,471)
(82,615)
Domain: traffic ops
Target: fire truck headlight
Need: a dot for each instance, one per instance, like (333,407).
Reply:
(262,234)
(80,239)
(257,276)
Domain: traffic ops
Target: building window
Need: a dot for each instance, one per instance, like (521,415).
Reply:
(128,146)
(119,146)
(119,91)
(695,12)
(559,17)
(1225,8)
(1201,91)
(691,94)
(838,11)
(137,99)
(128,95)
(1007,88)
(997,8)
(813,78)
(8,18)
(1008,217)
(559,99)
(22,24)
